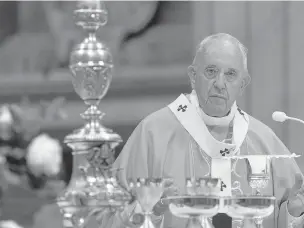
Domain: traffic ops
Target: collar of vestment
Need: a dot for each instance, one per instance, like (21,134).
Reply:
(190,118)
(209,120)
(194,121)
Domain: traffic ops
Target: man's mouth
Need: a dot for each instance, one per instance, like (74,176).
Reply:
(218,96)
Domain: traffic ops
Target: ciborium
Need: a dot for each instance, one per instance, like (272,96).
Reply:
(93,186)
(200,203)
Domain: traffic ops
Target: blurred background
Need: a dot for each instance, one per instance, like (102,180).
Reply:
(152,44)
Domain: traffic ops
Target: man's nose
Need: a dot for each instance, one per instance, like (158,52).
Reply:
(220,81)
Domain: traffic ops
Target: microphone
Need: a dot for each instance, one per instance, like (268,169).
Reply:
(281,117)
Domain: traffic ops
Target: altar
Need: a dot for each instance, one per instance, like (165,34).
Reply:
(151,53)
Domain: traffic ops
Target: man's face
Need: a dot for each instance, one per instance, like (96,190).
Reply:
(219,79)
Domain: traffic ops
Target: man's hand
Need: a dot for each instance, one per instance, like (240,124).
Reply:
(295,205)
(170,190)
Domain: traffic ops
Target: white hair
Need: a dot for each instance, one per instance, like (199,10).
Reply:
(224,37)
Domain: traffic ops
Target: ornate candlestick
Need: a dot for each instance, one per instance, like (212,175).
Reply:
(93,185)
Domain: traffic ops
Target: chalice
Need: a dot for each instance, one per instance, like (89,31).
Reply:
(199,204)
(258,174)
(148,192)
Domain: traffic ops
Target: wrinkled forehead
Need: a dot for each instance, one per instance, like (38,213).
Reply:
(223,54)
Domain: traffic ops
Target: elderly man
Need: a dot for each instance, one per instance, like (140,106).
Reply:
(185,139)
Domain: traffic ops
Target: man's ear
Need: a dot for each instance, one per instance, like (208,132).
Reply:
(192,75)
(245,82)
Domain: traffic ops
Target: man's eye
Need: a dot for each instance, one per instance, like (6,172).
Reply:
(210,72)
(231,75)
